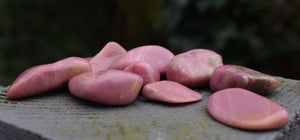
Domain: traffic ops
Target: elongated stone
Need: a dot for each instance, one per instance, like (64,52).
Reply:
(47,77)
(106,56)
(230,76)
(193,68)
(170,92)
(109,87)
(148,73)
(244,109)
(157,56)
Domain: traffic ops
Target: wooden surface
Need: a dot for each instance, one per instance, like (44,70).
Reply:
(58,115)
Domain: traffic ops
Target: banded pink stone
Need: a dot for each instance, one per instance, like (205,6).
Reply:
(193,68)
(232,76)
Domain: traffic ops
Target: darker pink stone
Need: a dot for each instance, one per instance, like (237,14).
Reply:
(244,109)
(148,73)
(170,92)
(193,68)
(230,76)
(157,56)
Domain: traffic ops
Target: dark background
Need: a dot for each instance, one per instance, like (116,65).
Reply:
(262,35)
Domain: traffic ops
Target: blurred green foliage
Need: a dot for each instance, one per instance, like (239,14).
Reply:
(263,35)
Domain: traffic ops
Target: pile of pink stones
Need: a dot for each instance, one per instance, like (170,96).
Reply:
(115,76)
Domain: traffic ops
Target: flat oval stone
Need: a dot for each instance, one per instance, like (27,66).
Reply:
(157,56)
(109,87)
(148,73)
(232,76)
(170,92)
(244,109)
(106,56)
(193,68)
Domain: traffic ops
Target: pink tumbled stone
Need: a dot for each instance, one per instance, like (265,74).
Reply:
(88,58)
(109,87)
(193,68)
(170,92)
(157,56)
(148,73)
(230,76)
(244,109)
(106,56)
(47,77)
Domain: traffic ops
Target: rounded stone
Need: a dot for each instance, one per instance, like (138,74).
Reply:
(232,76)
(194,68)
(109,87)
(244,109)
(170,92)
(157,56)
(146,71)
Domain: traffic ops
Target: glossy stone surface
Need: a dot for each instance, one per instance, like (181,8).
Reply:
(58,115)
(157,56)
(106,56)
(244,109)
(170,92)
(230,76)
(148,73)
(193,68)
(43,78)
(109,87)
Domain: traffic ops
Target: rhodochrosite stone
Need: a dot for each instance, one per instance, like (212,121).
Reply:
(193,68)
(229,76)
(157,56)
(244,109)
(109,87)
(106,56)
(148,73)
(170,92)
(47,77)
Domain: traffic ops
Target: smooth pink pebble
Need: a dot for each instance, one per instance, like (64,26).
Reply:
(244,109)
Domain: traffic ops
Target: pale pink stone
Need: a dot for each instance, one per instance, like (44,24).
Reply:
(157,56)
(193,68)
(148,73)
(88,58)
(43,78)
(109,87)
(230,76)
(170,92)
(244,109)
(106,56)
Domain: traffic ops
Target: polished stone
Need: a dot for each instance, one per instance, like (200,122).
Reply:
(102,60)
(232,76)
(146,71)
(170,92)
(193,68)
(244,109)
(157,56)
